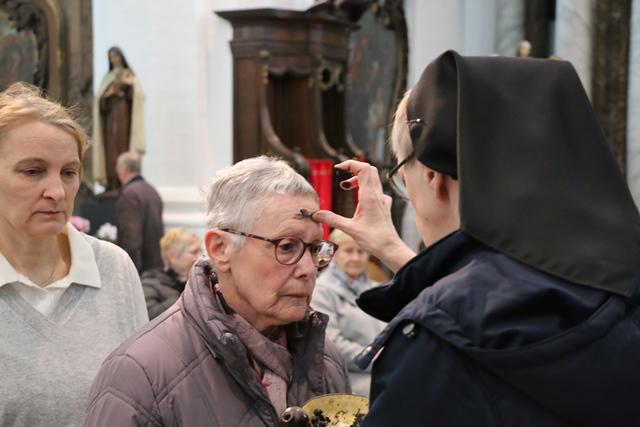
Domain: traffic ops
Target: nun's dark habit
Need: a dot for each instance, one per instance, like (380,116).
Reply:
(528,315)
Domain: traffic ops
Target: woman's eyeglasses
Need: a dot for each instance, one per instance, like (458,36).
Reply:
(289,250)
(395,180)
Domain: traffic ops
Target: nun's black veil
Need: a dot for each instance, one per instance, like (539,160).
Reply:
(538,181)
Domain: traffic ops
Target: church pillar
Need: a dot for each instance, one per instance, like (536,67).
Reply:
(574,35)
(633,106)
(611,72)
(509,26)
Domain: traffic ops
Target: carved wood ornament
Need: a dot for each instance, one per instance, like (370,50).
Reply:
(291,84)
(43,18)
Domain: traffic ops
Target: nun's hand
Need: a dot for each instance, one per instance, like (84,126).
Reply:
(371,225)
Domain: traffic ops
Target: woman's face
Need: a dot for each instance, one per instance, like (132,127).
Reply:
(182,262)
(115,59)
(351,259)
(263,291)
(39,176)
(436,213)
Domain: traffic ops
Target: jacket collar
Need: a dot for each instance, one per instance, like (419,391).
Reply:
(83,271)
(435,262)
(132,180)
(480,331)
(305,338)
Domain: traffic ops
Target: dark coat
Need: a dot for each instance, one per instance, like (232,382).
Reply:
(188,368)
(161,289)
(139,222)
(479,339)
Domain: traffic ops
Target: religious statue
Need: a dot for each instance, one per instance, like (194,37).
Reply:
(118,114)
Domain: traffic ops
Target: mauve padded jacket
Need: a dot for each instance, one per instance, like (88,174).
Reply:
(188,368)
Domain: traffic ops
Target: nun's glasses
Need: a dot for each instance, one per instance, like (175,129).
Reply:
(395,180)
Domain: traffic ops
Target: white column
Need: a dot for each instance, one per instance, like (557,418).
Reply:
(433,27)
(633,105)
(509,26)
(573,39)
(479,30)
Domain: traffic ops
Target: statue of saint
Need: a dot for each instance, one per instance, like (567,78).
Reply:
(118,115)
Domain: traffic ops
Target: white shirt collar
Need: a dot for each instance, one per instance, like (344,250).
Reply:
(83,271)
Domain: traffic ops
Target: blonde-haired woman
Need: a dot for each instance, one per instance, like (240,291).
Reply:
(66,299)
(180,249)
(335,294)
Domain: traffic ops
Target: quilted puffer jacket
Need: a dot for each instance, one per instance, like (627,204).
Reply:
(187,367)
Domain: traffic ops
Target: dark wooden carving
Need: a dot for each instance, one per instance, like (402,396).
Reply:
(610,72)
(62,64)
(78,55)
(538,16)
(44,19)
(289,83)
(278,101)
(376,78)
(62,32)
(283,62)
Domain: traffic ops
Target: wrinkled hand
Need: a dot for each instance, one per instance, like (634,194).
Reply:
(371,225)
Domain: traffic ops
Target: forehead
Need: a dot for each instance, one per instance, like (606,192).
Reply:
(38,140)
(282,214)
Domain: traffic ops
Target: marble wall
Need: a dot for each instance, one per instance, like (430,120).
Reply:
(479,27)
(432,29)
(573,36)
(633,105)
(509,26)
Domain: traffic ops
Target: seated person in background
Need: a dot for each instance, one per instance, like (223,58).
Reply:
(180,249)
(66,299)
(337,288)
(241,344)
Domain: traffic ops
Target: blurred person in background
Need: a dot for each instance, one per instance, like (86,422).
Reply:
(138,214)
(162,286)
(337,288)
(66,299)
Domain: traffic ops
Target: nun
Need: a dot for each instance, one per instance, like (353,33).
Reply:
(523,308)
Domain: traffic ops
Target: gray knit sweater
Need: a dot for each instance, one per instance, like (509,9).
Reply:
(47,363)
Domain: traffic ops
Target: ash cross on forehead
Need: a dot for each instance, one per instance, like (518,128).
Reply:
(305,214)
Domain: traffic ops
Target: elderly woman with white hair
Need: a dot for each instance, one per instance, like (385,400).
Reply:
(337,288)
(241,344)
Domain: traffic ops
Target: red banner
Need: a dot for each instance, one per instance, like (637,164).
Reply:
(322,182)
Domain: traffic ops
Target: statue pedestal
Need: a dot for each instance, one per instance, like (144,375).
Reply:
(100,210)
